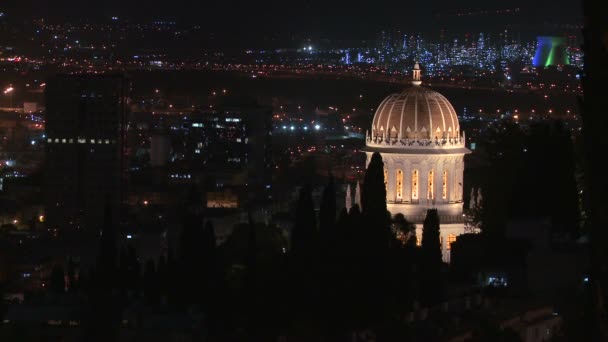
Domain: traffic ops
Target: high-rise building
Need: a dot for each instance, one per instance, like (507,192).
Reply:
(85,129)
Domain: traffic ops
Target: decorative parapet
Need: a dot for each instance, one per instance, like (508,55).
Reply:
(383,141)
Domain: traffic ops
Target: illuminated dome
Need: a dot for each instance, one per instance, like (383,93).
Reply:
(416,117)
(422,147)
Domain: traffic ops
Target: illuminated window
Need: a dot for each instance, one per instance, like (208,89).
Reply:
(444,186)
(451,238)
(418,242)
(414,184)
(385,178)
(399,184)
(431,183)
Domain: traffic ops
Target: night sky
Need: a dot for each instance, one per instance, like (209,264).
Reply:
(337,17)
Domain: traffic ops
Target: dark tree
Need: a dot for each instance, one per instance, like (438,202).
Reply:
(130,270)
(163,277)
(431,260)
(191,251)
(303,266)
(57,281)
(304,232)
(216,294)
(329,265)
(595,126)
(107,271)
(102,315)
(501,198)
(565,210)
(404,230)
(150,281)
(72,276)
(251,290)
(372,241)
(327,212)
(373,196)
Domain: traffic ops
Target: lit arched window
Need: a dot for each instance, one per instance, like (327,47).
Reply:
(444,186)
(399,184)
(451,238)
(431,183)
(386,179)
(414,184)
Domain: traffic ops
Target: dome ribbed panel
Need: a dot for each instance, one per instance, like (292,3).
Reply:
(415,113)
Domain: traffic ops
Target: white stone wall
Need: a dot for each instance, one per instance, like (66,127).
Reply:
(451,206)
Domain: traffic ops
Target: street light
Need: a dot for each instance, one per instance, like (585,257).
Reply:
(9,91)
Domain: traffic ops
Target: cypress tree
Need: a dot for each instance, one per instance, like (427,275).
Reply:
(303,258)
(57,281)
(303,235)
(150,282)
(327,214)
(102,318)
(595,125)
(565,210)
(163,276)
(73,280)
(328,266)
(251,300)
(191,251)
(431,260)
(215,278)
(106,260)
(373,240)
(373,198)
(376,219)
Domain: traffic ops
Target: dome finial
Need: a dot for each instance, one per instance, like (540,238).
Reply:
(416,77)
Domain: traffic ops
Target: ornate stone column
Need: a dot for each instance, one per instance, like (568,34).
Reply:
(423,181)
(439,182)
(407,182)
(452,180)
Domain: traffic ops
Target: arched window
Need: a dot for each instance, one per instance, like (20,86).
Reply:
(386,179)
(444,185)
(399,184)
(431,193)
(414,184)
